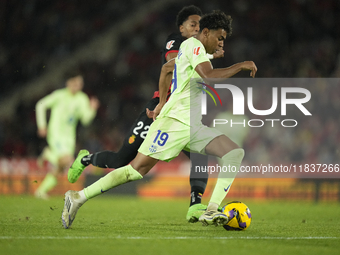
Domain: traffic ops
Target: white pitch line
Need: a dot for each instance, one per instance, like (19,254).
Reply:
(172,238)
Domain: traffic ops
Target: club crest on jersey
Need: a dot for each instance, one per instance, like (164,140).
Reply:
(169,44)
(197,51)
(132,139)
(153,148)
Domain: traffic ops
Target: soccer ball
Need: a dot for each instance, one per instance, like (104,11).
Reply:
(240,214)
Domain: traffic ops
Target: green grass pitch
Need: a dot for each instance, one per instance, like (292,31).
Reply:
(130,225)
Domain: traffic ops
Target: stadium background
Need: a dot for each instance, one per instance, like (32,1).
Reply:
(117,45)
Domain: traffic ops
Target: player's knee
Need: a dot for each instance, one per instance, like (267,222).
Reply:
(132,174)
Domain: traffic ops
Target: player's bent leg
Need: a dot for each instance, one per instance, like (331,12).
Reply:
(220,146)
(225,179)
(135,137)
(198,178)
(49,182)
(133,140)
(113,179)
(143,163)
(232,157)
(43,156)
(110,159)
(77,167)
(74,200)
(138,168)
(198,183)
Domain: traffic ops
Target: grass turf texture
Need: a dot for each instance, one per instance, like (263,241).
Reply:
(128,225)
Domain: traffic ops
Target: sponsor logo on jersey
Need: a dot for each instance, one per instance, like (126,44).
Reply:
(132,139)
(197,51)
(169,44)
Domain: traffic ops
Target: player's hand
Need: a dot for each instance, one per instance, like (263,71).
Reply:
(149,113)
(94,103)
(249,65)
(153,114)
(219,54)
(42,132)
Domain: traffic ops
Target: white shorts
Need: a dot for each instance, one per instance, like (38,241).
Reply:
(167,137)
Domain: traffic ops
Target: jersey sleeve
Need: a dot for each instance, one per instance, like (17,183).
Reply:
(86,114)
(196,53)
(42,105)
(172,45)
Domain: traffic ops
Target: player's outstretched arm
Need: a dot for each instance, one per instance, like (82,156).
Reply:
(205,70)
(94,103)
(88,109)
(165,80)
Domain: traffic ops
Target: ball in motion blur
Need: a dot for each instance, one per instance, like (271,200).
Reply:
(240,214)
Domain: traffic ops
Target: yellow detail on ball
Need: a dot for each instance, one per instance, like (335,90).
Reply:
(240,215)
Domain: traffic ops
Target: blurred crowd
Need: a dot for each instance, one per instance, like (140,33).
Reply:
(294,38)
(313,139)
(32,32)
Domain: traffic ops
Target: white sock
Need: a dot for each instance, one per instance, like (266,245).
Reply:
(82,198)
(224,181)
(212,207)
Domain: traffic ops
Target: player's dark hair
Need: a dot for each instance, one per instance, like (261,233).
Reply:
(187,11)
(72,73)
(216,20)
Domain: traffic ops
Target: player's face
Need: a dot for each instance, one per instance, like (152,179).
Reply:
(215,40)
(75,84)
(191,26)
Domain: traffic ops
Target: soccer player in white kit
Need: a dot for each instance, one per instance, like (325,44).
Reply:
(172,130)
